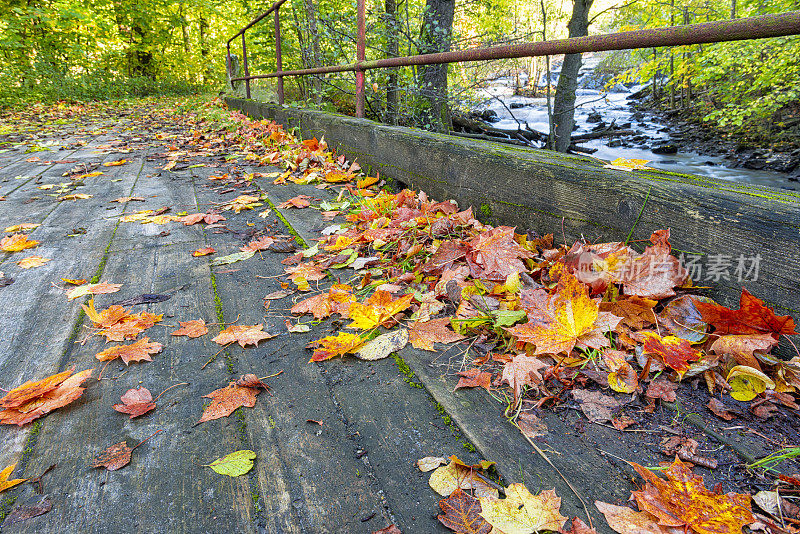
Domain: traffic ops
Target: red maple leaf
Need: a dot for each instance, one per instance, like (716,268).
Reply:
(752,317)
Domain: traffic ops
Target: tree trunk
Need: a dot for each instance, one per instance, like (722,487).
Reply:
(392,50)
(313,37)
(564,105)
(435,36)
(204,49)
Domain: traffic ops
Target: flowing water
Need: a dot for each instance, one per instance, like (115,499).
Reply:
(614,106)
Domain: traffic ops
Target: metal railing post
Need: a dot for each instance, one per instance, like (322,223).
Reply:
(278,60)
(246,68)
(360,56)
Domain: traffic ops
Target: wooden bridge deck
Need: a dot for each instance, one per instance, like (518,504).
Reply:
(353,473)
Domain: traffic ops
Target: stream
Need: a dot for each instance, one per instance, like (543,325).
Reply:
(614,106)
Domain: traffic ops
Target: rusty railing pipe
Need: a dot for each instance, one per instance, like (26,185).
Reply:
(778,25)
(258,19)
(360,57)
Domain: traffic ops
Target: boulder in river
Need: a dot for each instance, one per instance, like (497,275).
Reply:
(664,149)
(594,116)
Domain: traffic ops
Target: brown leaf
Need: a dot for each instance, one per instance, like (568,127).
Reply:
(655,273)
(242,334)
(135,402)
(462,514)
(662,389)
(423,335)
(194,328)
(115,457)
(135,352)
(226,400)
(391,529)
(716,406)
(742,346)
(596,407)
(262,243)
(494,254)
(522,371)
(474,378)
(203,251)
(636,312)
(28,510)
(300,201)
(627,521)
(579,527)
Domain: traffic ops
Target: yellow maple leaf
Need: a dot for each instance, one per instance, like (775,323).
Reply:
(521,512)
(32,261)
(17,242)
(624,164)
(75,196)
(337,345)
(378,309)
(5,483)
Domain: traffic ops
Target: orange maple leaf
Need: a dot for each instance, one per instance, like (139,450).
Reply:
(559,322)
(5,483)
(195,328)
(32,400)
(494,254)
(242,334)
(17,242)
(225,400)
(423,335)
(378,309)
(300,201)
(135,352)
(338,345)
(337,300)
(262,243)
(683,501)
(203,251)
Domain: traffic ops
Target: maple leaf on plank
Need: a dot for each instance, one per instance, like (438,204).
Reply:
(635,312)
(32,261)
(628,521)
(208,218)
(300,201)
(462,514)
(16,243)
(474,378)
(448,478)
(675,353)
(136,402)
(423,335)
(242,334)
(378,309)
(92,289)
(568,317)
(338,345)
(262,243)
(447,253)
(304,272)
(752,317)
(521,512)
(135,352)
(336,300)
(194,328)
(495,255)
(522,371)
(5,483)
(598,265)
(204,251)
(225,400)
(32,400)
(131,326)
(655,273)
(682,500)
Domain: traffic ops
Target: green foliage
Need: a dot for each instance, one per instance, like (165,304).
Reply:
(750,89)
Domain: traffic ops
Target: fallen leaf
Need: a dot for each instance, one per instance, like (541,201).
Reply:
(281,293)
(32,400)
(194,328)
(522,371)
(300,201)
(34,507)
(747,382)
(429,463)
(743,345)
(448,478)
(262,243)
(597,407)
(17,242)
(683,500)
(22,227)
(135,402)
(135,352)
(423,335)
(115,457)
(338,345)
(391,529)
(92,289)
(494,254)
(234,464)
(628,521)
(75,196)
(242,334)
(5,483)
(682,319)
(628,164)
(579,527)
(675,353)
(226,400)
(462,514)
(752,317)
(383,345)
(662,389)
(474,378)
(123,200)
(378,309)
(115,163)
(32,261)
(203,251)
(74,282)
(232,258)
(522,512)
(718,408)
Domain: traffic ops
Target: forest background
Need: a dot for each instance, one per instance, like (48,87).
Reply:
(81,49)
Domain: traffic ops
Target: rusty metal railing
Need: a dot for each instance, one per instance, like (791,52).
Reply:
(761,27)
